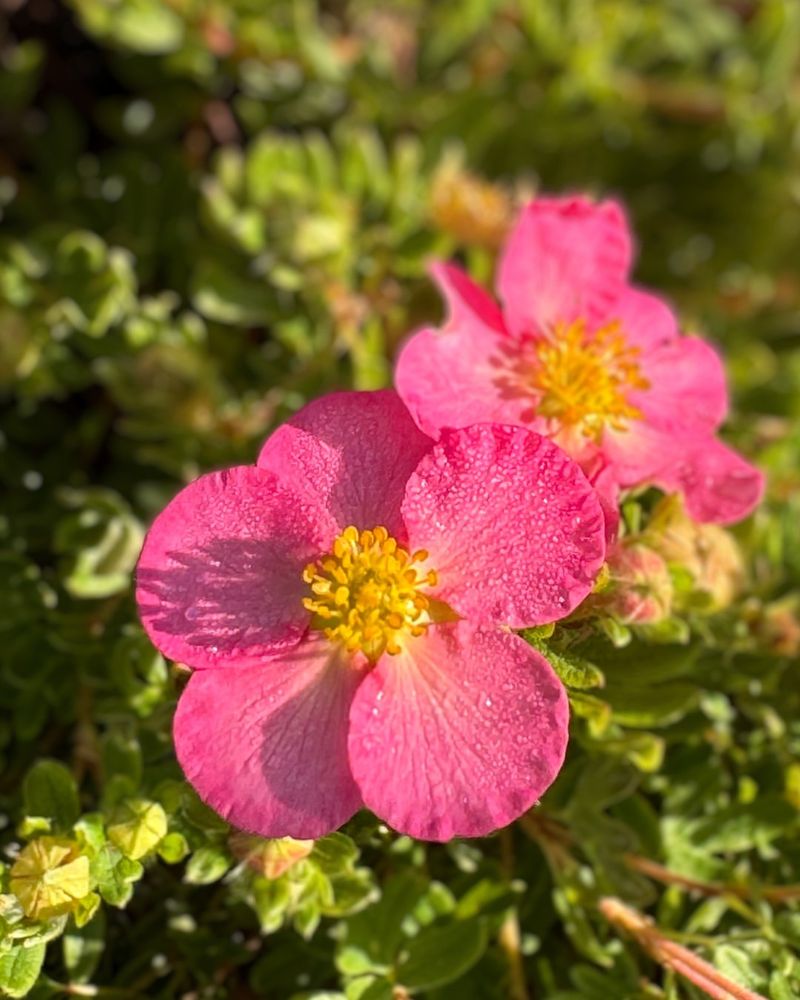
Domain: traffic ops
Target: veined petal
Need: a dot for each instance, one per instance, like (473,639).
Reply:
(219,581)
(567,258)
(512,526)
(349,455)
(459,734)
(266,747)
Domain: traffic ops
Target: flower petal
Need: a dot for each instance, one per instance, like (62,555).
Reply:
(349,454)
(467,303)
(647,321)
(566,258)
(266,747)
(687,387)
(459,375)
(459,734)
(640,452)
(513,527)
(604,481)
(219,580)
(718,484)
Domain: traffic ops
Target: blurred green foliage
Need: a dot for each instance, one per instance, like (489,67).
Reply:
(211,212)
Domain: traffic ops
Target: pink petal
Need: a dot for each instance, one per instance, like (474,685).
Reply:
(513,527)
(266,747)
(647,321)
(717,483)
(566,258)
(349,454)
(687,390)
(460,376)
(638,454)
(467,303)
(459,734)
(604,481)
(219,580)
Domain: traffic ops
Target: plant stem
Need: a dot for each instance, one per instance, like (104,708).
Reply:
(509,936)
(672,955)
(772,893)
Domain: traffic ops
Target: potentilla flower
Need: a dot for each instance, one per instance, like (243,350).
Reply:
(346,606)
(584,358)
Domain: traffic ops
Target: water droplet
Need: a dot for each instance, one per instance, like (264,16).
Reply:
(193,613)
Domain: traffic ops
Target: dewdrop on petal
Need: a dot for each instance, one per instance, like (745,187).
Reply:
(347,607)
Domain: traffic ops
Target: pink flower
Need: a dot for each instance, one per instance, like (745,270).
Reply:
(345,604)
(583,357)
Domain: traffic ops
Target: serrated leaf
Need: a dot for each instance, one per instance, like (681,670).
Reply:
(574,671)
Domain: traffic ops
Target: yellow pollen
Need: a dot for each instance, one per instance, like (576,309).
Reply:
(366,594)
(583,377)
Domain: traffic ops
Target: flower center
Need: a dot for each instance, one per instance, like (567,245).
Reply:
(583,377)
(366,592)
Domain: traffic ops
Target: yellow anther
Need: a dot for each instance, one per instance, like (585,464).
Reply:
(583,377)
(367,594)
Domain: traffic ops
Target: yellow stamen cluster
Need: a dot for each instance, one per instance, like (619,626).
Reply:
(366,593)
(583,377)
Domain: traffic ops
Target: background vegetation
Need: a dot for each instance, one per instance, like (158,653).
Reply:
(213,210)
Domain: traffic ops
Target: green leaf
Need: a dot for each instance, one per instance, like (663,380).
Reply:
(206,865)
(50,790)
(173,848)
(378,930)
(574,671)
(744,827)
(661,705)
(83,947)
(596,711)
(19,969)
(229,297)
(138,827)
(739,966)
(439,955)
(334,853)
(115,875)
(147,26)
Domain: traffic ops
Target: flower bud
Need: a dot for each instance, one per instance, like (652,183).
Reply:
(639,591)
(707,552)
(271,858)
(472,210)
